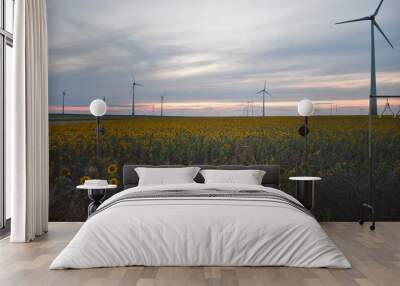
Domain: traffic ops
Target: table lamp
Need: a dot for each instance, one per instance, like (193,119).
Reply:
(305,108)
(98,108)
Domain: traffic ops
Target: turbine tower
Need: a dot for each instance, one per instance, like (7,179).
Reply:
(264,91)
(134,84)
(64,93)
(162,106)
(373,109)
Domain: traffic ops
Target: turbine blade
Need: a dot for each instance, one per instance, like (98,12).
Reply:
(259,91)
(355,20)
(383,34)
(265,85)
(138,84)
(268,93)
(377,9)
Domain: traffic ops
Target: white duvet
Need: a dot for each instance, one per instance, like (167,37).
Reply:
(193,231)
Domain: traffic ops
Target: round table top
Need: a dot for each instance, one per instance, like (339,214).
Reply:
(305,178)
(86,187)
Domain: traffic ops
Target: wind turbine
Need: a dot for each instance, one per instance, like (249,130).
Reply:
(134,84)
(162,106)
(264,91)
(372,100)
(64,93)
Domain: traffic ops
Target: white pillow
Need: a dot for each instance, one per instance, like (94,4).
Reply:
(248,177)
(166,176)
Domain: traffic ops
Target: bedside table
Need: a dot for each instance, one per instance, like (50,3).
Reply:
(305,187)
(96,195)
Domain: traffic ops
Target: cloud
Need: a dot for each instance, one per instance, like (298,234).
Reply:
(217,51)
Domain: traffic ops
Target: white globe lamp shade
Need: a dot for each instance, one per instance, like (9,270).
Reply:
(305,107)
(98,107)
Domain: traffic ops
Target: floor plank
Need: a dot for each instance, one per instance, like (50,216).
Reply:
(375,257)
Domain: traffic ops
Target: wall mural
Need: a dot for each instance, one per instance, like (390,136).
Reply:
(218,82)
(338,153)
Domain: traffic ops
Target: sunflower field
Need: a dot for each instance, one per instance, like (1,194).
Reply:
(338,152)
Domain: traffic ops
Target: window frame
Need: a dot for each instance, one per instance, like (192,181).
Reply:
(6,39)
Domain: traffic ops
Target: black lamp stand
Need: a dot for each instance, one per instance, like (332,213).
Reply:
(99,131)
(97,138)
(303,131)
(306,143)
(370,204)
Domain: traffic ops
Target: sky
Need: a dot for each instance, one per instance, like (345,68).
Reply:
(209,58)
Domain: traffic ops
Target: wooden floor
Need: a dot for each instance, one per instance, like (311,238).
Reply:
(375,257)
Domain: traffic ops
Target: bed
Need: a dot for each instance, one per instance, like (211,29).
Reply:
(198,224)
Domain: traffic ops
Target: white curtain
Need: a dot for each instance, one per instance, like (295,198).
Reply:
(27,124)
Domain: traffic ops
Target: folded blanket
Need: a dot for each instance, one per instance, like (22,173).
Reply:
(244,194)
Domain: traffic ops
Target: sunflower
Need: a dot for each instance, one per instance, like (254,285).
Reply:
(114,181)
(65,172)
(83,179)
(112,168)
